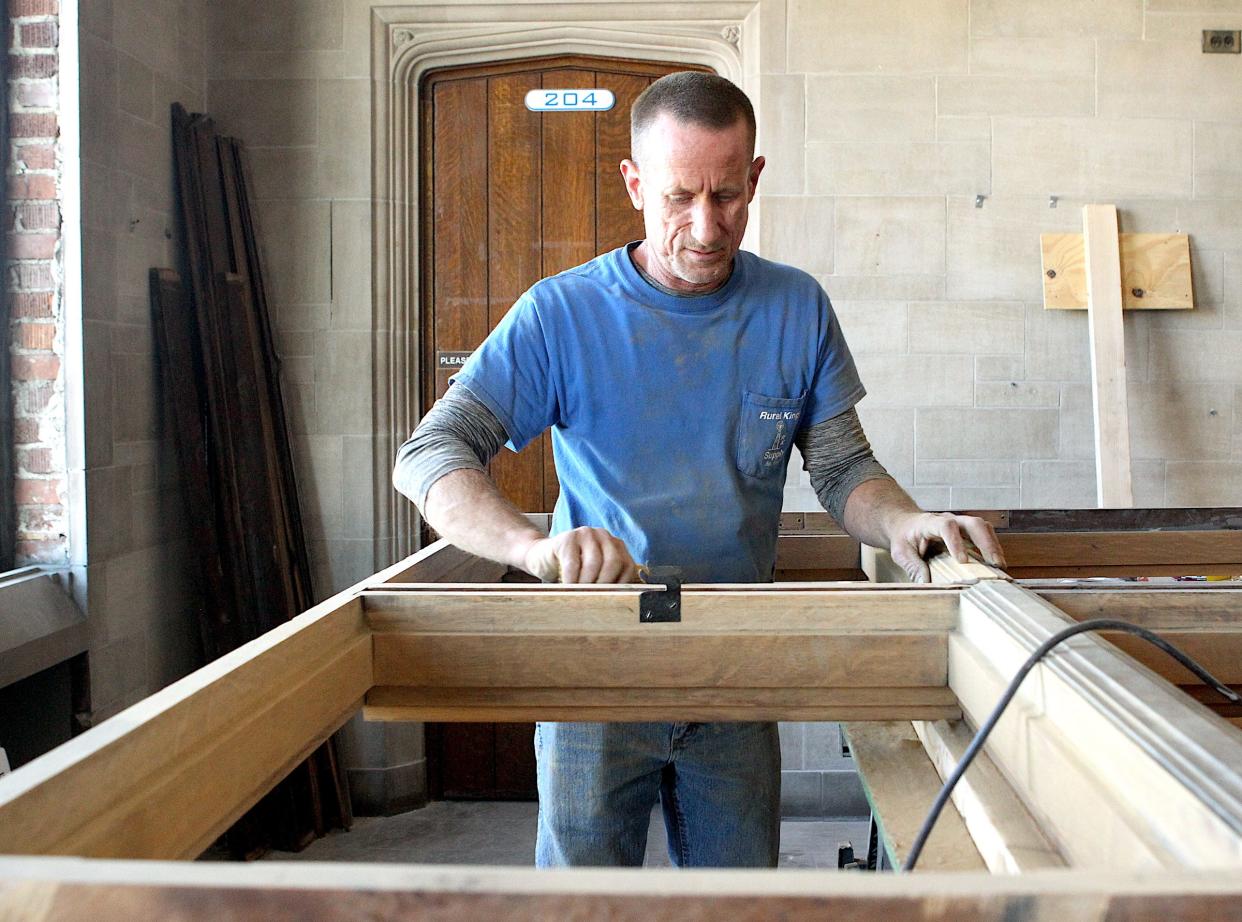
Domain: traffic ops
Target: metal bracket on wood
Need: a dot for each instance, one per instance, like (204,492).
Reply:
(656,606)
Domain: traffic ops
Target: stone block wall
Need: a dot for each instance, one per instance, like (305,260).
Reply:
(818,776)
(891,118)
(137,57)
(292,80)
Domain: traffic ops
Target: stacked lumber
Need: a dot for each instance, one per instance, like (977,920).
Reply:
(222,379)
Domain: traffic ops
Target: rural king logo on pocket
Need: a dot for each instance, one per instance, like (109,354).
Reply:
(775,452)
(779,414)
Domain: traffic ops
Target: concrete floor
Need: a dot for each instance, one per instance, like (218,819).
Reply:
(452,832)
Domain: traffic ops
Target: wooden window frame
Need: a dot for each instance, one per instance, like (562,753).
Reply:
(1131,782)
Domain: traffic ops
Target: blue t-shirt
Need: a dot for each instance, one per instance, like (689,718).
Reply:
(672,417)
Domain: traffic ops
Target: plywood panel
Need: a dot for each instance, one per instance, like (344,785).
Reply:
(1155,272)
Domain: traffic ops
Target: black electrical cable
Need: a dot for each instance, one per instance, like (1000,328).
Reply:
(1097,624)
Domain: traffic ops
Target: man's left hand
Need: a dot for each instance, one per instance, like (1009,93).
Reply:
(918,532)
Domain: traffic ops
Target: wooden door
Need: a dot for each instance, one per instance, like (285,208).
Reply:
(513,196)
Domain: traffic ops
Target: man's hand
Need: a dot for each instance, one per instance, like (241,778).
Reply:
(584,555)
(915,533)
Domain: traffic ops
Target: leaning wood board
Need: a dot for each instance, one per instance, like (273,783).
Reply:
(1161,770)
(1106,336)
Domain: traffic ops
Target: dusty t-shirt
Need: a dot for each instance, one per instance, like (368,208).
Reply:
(672,417)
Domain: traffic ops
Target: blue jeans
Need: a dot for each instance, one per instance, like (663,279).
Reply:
(718,783)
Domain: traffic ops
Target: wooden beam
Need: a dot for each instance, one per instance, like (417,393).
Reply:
(901,782)
(1108,356)
(1002,829)
(1158,606)
(1204,518)
(1068,554)
(1119,768)
(403,703)
(1188,553)
(763,608)
(760,652)
(1206,623)
(164,778)
(115,891)
(661,659)
(1088,553)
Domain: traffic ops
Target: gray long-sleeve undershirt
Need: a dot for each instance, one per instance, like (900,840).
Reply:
(460,432)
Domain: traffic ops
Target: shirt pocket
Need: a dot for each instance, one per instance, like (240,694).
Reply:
(765,431)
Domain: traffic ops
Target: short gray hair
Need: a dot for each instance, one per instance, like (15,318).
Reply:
(691,97)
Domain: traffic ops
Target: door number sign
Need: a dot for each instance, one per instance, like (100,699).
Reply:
(583,100)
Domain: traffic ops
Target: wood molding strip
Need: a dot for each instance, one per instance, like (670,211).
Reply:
(1117,765)
(1003,830)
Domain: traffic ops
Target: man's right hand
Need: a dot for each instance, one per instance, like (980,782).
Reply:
(583,555)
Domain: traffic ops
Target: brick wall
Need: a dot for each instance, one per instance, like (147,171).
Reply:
(34,280)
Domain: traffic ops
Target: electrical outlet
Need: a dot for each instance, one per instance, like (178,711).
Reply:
(1222,41)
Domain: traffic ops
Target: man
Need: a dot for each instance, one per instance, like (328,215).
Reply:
(675,373)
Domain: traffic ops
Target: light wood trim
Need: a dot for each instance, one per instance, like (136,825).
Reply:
(879,566)
(1155,265)
(1118,767)
(651,704)
(164,778)
(520,589)
(947,569)
(769,609)
(1003,830)
(901,783)
(1108,356)
(115,891)
(661,659)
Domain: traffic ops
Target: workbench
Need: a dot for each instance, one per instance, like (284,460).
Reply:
(1112,787)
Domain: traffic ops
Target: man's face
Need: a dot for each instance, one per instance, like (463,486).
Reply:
(694,186)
